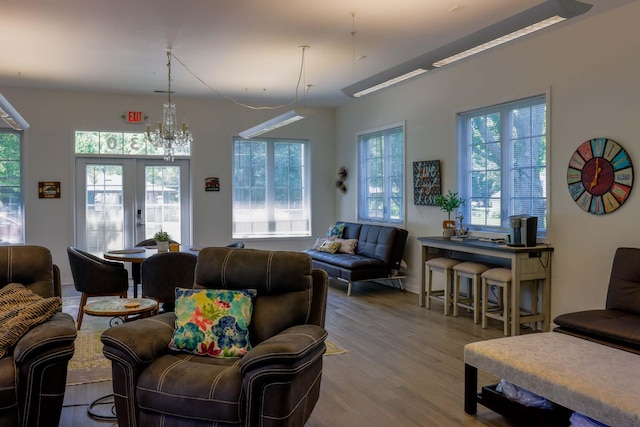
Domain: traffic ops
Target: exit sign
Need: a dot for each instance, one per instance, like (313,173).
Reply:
(134,117)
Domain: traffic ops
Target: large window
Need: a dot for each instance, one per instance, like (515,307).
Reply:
(271,188)
(381,176)
(11,213)
(502,164)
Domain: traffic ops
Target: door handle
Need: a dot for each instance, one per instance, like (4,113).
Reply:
(139,224)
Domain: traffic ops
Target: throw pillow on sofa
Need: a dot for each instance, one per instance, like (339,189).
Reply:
(214,322)
(347,246)
(329,246)
(336,230)
(318,243)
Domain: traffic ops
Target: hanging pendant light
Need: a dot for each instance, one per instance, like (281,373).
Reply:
(169,134)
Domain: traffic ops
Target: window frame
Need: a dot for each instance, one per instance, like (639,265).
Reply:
(20,160)
(464,143)
(270,191)
(363,196)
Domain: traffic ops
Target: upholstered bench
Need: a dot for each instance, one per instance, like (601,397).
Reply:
(596,380)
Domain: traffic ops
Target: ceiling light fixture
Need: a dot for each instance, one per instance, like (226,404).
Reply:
(169,134)
(282,120)
(11,116)
(286,118)
(531,20)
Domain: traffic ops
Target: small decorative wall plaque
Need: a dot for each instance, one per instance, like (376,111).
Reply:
(212,184)
(49,190)
(426,182)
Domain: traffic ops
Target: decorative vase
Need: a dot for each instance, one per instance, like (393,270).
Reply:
(163,246)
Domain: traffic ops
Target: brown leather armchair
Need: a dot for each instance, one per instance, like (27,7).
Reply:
(33,373)
(276,383)
(163,272)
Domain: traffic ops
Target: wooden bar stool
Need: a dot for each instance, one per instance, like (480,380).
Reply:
(500,277)
(470,271)
(441,265)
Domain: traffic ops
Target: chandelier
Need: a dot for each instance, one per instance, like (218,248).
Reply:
(169,134)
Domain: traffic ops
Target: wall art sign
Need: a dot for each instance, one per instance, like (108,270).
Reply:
(49,190)
(212,183)
(426,182)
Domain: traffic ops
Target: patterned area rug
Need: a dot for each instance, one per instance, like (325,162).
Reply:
(88,364)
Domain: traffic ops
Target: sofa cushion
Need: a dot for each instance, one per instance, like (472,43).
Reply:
(20,310)
(377,242)
(336,230)
(329,246)
(614,325)
(182,385)
(347,246)
(214,322)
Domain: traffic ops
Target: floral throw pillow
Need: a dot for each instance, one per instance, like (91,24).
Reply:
(347,246)
(336,230)
(214,322)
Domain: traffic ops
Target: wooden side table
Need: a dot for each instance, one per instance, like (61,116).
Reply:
(122,308)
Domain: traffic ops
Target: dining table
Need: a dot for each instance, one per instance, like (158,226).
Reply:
(137,255)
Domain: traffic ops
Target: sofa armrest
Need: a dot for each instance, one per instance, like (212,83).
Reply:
(139,342)
(288,347)
(57,332)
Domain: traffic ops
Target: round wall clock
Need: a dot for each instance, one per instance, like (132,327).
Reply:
(600,176)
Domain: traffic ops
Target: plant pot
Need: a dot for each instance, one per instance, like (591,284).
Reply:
(163,246)
(447,233)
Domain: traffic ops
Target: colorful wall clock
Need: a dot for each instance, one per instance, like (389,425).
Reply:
(600,176)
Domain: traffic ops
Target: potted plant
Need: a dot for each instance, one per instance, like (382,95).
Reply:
(448,203)
(162,239)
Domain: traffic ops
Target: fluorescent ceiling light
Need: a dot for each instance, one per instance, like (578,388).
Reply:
(11,116)
(276,122)
(534,19)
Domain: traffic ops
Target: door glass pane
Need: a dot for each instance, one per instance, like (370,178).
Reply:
(104,210)
(162,201)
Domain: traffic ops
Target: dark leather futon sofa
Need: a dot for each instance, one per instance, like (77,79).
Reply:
(378,254)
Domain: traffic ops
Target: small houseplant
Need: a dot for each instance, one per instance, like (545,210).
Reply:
(449,202)
(162,239)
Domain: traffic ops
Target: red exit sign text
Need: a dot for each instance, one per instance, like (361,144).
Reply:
(135,117)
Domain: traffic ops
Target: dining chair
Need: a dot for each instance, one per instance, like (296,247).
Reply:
(163,272)
(96,277)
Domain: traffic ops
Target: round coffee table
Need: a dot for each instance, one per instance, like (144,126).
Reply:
(122,308)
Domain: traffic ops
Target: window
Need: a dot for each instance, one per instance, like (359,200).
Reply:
(11,212)
(120,143)
(271,188)
(502,164)
(381,176)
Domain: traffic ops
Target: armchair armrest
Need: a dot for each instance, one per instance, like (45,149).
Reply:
(141,341)
(58,333)
(288,347)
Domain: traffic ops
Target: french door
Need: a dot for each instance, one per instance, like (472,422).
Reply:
(120,202)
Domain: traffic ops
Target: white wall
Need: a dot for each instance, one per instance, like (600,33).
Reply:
(48,156)
(591,68)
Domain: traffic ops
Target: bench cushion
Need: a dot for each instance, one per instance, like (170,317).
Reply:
(621,327)
(596,380)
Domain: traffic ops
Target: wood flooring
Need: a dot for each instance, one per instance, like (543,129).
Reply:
(403,366)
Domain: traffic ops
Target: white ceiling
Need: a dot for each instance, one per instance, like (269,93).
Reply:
(248,50)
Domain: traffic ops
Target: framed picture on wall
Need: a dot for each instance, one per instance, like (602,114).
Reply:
(426,182)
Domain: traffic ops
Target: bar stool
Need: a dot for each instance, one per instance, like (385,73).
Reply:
(500,277)
(441,265)
(470,271)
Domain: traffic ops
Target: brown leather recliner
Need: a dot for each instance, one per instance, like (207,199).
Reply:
(34,372)
(276,383)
